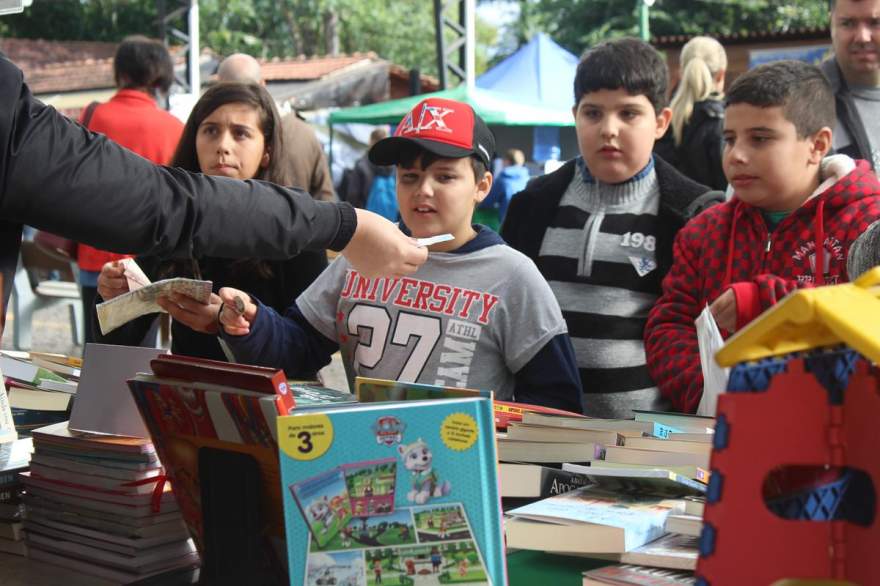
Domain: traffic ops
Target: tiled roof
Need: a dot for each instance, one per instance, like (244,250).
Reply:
(71,76)
(33,53)
(66,66)
(305,69)
(796,34)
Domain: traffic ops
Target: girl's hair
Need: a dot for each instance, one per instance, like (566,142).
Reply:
(276,171)
(253,95)
(701,60)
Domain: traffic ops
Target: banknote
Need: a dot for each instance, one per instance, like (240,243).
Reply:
(121,310)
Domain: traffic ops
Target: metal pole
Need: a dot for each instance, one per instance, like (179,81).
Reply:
(470,7)
(644,24)
(195,82)
(441,43)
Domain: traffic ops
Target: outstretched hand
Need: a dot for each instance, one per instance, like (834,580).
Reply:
(195,315)
(379,249)
(237,313)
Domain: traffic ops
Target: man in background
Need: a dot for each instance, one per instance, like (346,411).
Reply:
(302,149)
(854,73)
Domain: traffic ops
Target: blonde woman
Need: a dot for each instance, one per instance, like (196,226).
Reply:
(694,141)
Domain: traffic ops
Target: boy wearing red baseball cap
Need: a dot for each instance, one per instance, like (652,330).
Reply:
(477,314)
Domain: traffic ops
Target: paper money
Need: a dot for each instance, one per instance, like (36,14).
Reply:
(134,274)
(121,310)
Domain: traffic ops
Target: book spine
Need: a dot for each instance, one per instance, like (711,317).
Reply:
(485,415)
(285,401)
(7,424)
(554,482)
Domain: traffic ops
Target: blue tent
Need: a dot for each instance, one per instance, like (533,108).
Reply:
(540,72)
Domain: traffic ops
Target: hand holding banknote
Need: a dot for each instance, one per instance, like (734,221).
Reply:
(111,281)
(237,313)
(192,313)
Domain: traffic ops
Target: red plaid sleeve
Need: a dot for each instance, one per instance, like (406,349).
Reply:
(671,347)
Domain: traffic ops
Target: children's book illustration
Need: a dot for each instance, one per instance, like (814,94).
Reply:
(336,569)
(371,486)
(385,530)
(400,493)
(441,523)
(426,483)
(324,503)
(456,562)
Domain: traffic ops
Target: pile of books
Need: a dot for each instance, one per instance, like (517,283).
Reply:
(99,505)
(14,458)
(40,387)
(624,490)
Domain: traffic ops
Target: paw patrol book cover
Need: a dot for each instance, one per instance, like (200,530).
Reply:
(425,474)
(324,503)
(371,486)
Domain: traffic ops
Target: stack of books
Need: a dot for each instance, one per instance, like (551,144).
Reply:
(99,505)
(40,387)
(625,506)
(533,450)
(14,458)
(690,522)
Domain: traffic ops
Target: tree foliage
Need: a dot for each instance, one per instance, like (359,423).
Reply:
(401,31)
(579,24)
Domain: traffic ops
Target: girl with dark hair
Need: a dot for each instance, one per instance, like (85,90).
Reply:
(233,131)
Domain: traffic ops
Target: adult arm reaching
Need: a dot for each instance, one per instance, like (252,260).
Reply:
(57,176)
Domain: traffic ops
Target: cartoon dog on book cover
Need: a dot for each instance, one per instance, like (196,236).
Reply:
(408,523)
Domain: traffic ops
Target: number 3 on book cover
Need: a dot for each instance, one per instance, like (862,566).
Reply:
(392,493)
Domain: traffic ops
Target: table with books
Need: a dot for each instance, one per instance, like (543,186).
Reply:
(398,490)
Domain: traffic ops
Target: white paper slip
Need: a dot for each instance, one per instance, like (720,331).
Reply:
(434,239)
(714,377)
(121,310)
(134,274)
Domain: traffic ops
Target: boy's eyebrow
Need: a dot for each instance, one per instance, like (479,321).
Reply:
(624,104)
(751,129)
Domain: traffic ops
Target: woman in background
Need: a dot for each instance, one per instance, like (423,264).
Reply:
(233,131)
(694,142)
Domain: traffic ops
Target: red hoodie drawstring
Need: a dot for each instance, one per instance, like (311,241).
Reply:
(820,244)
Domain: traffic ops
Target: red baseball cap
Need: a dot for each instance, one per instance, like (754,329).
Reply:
(444,127)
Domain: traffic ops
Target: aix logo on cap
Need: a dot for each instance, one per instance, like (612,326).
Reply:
(430,118)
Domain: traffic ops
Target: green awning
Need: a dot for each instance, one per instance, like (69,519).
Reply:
(494,108)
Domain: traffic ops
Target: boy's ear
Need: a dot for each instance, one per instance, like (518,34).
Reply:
(264,161)
(663,118)
(484,185)
(820,145)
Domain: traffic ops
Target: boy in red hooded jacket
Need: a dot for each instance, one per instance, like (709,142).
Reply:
(793,216)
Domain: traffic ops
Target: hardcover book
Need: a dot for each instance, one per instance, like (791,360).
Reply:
(431,468)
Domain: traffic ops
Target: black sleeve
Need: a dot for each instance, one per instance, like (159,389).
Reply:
(57,176)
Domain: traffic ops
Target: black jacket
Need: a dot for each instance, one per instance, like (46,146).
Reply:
(847,114)
(289,278)
(532,209)
(702,145)
(57,176)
